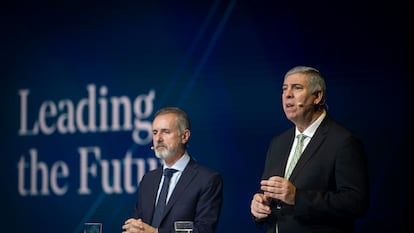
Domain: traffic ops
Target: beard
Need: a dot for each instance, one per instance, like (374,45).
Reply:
(165,153)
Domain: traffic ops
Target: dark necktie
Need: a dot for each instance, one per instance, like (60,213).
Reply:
(162,198)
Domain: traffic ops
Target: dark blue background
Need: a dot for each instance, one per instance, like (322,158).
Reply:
(221,61)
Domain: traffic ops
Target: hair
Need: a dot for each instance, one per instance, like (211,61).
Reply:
(315,80)
(183,122)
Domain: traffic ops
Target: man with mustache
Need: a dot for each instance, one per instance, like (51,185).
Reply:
(195,192)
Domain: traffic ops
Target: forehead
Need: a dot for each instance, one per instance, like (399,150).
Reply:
(296,78)
(164,121)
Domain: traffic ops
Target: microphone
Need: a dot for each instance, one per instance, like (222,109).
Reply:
(300,104)
(152,147)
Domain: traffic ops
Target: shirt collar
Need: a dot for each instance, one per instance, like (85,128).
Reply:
(310,131)
(181,163)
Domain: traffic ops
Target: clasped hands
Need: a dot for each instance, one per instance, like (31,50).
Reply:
(275,187)
(134,225)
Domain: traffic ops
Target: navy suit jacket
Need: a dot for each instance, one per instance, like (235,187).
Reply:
(331,180)
(196,197)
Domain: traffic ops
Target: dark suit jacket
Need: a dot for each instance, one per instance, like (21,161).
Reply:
(197,197)
(331,178)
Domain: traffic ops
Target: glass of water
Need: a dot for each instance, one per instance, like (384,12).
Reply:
(183,226)
(92,227)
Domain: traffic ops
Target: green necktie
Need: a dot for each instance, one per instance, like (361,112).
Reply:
(296,155)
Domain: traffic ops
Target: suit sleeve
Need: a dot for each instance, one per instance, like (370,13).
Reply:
(346,195)
(209,205)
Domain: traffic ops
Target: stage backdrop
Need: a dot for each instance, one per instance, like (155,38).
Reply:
(81,81)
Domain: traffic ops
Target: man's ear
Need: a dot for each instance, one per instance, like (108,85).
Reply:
(186,136)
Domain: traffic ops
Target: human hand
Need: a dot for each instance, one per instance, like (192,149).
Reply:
(133,225)
(260,206)
(279,188)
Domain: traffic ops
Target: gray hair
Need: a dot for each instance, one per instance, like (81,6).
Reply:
(315,80)
(183,122)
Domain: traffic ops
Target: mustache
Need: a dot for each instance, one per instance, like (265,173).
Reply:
(160,145)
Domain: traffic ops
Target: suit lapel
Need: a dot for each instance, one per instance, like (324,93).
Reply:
(188,175)
(154,188)
(279,151)
(285,148)
(312,147)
